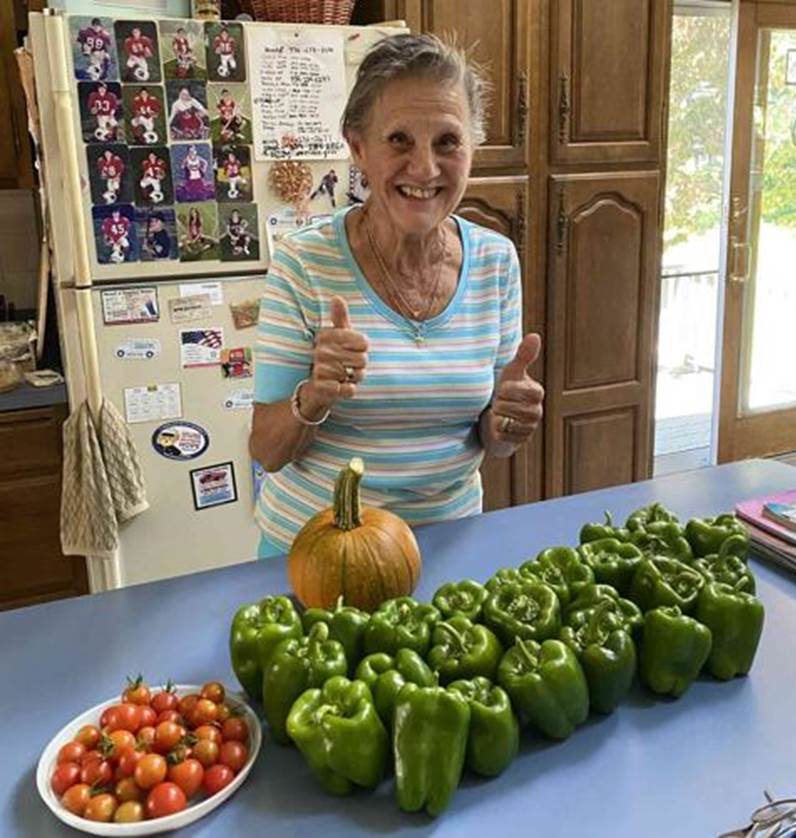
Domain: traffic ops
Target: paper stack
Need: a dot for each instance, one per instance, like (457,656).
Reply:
(770,539)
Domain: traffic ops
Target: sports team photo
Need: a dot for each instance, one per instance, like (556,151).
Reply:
(182,48)
(187,110)
(109,174)
(192,172)
(152,182)
(144,113)
(137,47)
(101,118)
(197,232)
(233,174)
(93,49)
(114,234)
(226,59)
(230,114)
(157,234)
(238,232)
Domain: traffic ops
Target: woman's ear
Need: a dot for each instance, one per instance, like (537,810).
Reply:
(354,141)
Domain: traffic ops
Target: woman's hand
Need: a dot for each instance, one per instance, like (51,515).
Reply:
(338,363)
(517,404)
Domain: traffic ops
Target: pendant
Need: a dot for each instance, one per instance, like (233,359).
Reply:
(419,336)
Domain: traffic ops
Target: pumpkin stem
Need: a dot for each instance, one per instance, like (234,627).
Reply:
(347,512)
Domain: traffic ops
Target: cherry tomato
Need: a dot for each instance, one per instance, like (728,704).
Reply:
(122,717)
(164,700)
(150,771)
(131,811)
(88,735)
(71,752)
(149,717)
(169,716)
(188,775)
(235,729)
(76,798)
(234,754)
(211,732)
(224,712)
(66,774)
(187,703)
(214,691)
(128,789)
(120,741)
(204,712)
(217,777)
(128,760)
(146,737)
(206,752)
(167,735)
(101,807)
(90,756)
(97,772)
(137,691)
(165,799)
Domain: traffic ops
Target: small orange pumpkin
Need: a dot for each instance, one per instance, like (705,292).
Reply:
(364,554)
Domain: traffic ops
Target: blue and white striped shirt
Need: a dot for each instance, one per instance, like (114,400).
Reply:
(414,419)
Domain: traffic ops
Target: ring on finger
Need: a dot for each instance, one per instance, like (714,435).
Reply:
(506,423)
(349,371)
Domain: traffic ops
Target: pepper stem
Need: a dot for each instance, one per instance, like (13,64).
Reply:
(457,636)
(526,652)
(347,511)
(339,604)
(592,634)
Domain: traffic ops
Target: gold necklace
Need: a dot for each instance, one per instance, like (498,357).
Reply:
(397,299)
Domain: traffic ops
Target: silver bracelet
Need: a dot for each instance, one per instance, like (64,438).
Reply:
(296,411)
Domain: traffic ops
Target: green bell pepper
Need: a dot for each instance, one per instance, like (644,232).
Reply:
(653,513)
(735,619)
(613,562)
(294,666)
(460,649)
(576,573)
(464,599)
(504,576)
(430,734)
(256,630)
(546,685)
(340,735)
(674,649)
(628,613)
(550,575)
(595,532)
(386,675)
(726,569)
(660,581)
(401,623)
(663,539)
(606,653)
(346,626)
(707,535)
(494,736)
(528,609)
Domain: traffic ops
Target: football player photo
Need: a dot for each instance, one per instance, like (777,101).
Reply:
(188,117)
(109,174)
(197,232)
(239,237)
(137,45)
(192,171)
(101,111)
(225,55)
(230,114)
(93,49)
(114,234)
(145,114)
(157,234)
(233,174)
(182,48)
(152,176)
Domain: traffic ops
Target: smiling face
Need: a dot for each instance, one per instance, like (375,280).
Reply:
(416,151)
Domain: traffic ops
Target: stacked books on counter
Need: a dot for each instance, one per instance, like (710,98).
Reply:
(771,521)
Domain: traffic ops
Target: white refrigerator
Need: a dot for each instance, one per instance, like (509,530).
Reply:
(175,153)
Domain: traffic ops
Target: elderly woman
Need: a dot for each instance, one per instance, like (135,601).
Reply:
(393,332)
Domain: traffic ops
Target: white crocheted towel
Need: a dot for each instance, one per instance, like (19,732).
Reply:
(103,485)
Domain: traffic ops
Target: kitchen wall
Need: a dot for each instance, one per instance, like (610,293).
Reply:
(19,247)
(146,8)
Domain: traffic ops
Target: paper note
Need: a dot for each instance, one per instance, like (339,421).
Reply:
(186,309)
(298,93)
(213,289)
(130,305)
(201,347)
(152,403)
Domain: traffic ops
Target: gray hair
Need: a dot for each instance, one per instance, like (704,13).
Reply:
(416,56)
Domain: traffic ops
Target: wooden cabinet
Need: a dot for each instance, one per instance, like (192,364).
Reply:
(32,567)
(607,80)
(16,168)
(603,247)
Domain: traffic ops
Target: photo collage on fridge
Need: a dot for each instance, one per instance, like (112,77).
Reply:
(166,122)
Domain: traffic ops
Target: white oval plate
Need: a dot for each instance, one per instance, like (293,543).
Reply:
(48,759)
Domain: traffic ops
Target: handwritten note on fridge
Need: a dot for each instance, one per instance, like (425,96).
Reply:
(298,93)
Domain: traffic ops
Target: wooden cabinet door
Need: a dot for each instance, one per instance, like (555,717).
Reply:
(603,236)
(500,203)
(607,80)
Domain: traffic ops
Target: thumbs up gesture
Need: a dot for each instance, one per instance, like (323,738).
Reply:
(338,362)
(517,403)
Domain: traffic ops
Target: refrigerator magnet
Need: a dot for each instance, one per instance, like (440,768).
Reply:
(230,114)
(115,235)
(130,305)
(201,347)
(157,233)
(180,441)
(237,362)
(137,46)
(138,349)
(93,49)
(213,486)
(239,400)
(245,314)
(101,118)
(226,59)
(109,174)
(182,48)
(145,113)
(238,233)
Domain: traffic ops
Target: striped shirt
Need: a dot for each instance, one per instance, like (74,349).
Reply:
(414,419)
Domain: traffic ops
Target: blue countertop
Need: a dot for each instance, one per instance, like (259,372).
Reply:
(25,396)
(689,768)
